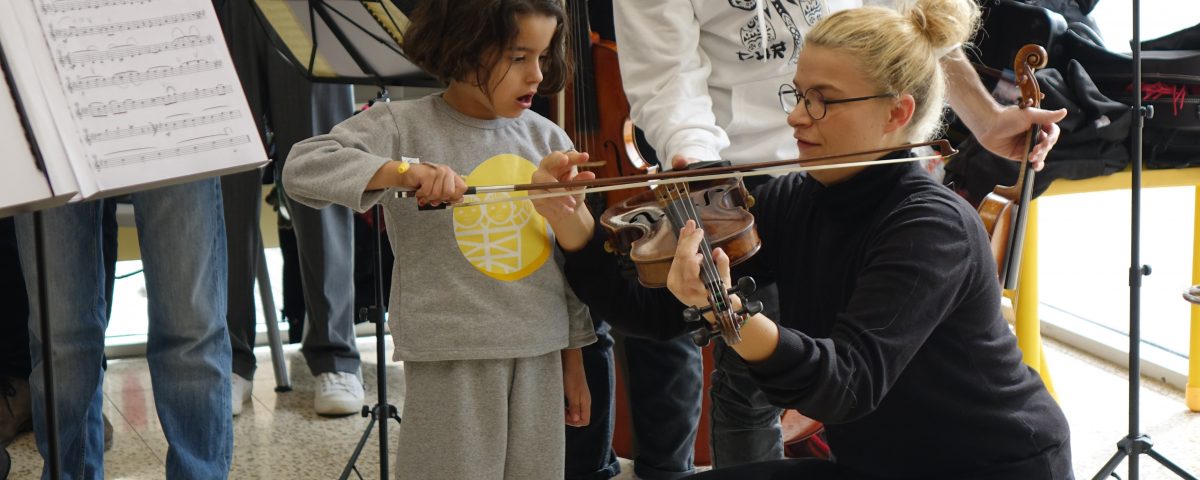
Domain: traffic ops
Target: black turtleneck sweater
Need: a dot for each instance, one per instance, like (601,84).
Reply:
(892,334)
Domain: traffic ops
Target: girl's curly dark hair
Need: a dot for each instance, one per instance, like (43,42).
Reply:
(453,39)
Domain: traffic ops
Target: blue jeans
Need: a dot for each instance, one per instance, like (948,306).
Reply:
(182,238)
(589,449)
(665,380)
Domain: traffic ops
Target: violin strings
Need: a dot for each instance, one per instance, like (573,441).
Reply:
(728,329)
(721,306)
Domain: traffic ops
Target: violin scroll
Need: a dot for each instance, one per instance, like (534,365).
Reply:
(1030,58)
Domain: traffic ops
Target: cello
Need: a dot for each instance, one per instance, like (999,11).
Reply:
(1004,211)
(597,111)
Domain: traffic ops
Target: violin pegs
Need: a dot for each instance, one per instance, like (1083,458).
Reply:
(752,308)
(745,286)
(692,315)
(701,336)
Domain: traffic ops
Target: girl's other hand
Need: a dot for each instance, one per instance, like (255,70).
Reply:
(578,412)
(559,167)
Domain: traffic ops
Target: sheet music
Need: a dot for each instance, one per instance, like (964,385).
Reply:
(147,90)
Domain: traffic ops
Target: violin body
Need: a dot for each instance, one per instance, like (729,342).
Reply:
(640,228)
(997,213)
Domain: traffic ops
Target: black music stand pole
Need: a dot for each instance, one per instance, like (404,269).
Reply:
(382,411)
(1135,442)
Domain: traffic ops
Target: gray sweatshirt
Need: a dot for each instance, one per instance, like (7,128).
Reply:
(481,282)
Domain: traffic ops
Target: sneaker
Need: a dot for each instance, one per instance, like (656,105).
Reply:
(338,393)
(241,393)
(16,417)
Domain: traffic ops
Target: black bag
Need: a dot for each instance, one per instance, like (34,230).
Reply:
(1170,85)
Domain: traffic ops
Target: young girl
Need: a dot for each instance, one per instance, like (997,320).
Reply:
(480,312)
(889,330)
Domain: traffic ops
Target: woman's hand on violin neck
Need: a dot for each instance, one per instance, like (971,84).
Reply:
(684,279)
(569,217)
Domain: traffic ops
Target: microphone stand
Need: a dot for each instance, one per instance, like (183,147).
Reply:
(1136,443)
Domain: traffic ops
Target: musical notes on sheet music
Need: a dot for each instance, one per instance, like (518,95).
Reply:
(122,52)
(131,77)
(113,28)
(98,109)
(73,5)
(102,163)
(148,80)
(153,128)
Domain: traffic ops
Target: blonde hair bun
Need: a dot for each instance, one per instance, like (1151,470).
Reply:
(943,23)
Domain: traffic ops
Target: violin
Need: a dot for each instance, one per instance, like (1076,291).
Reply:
(1004,211)
(597,115)
(646,227)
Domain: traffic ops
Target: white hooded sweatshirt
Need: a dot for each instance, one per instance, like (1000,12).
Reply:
(701,80)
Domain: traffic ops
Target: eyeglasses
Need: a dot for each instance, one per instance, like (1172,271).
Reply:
(815,103)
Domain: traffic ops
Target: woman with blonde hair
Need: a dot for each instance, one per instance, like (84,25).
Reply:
(889,329)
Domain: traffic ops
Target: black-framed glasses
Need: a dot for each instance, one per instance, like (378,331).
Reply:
(815,102)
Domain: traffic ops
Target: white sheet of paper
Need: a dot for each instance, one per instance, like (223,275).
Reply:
(143,91)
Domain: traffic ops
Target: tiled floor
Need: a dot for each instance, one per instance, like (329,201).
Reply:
(279,437)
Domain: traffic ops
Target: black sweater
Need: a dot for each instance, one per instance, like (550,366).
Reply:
(892,337)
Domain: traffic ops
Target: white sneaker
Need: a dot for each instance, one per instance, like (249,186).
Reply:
(338,393)
(241,393)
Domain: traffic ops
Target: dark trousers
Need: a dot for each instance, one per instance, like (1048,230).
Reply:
(744,425)
(589,449)
(14,326)
(291,109)
(665,381)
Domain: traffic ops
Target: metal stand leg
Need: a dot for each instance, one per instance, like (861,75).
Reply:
(283,383)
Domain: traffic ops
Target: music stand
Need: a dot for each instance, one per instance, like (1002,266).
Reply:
(1136,443)
(357,43)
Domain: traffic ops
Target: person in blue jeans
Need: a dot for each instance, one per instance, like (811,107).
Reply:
(182,238)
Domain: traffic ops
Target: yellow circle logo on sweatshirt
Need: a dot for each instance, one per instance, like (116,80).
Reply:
(505,240)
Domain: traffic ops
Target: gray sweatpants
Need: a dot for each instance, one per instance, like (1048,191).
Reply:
(483,419)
